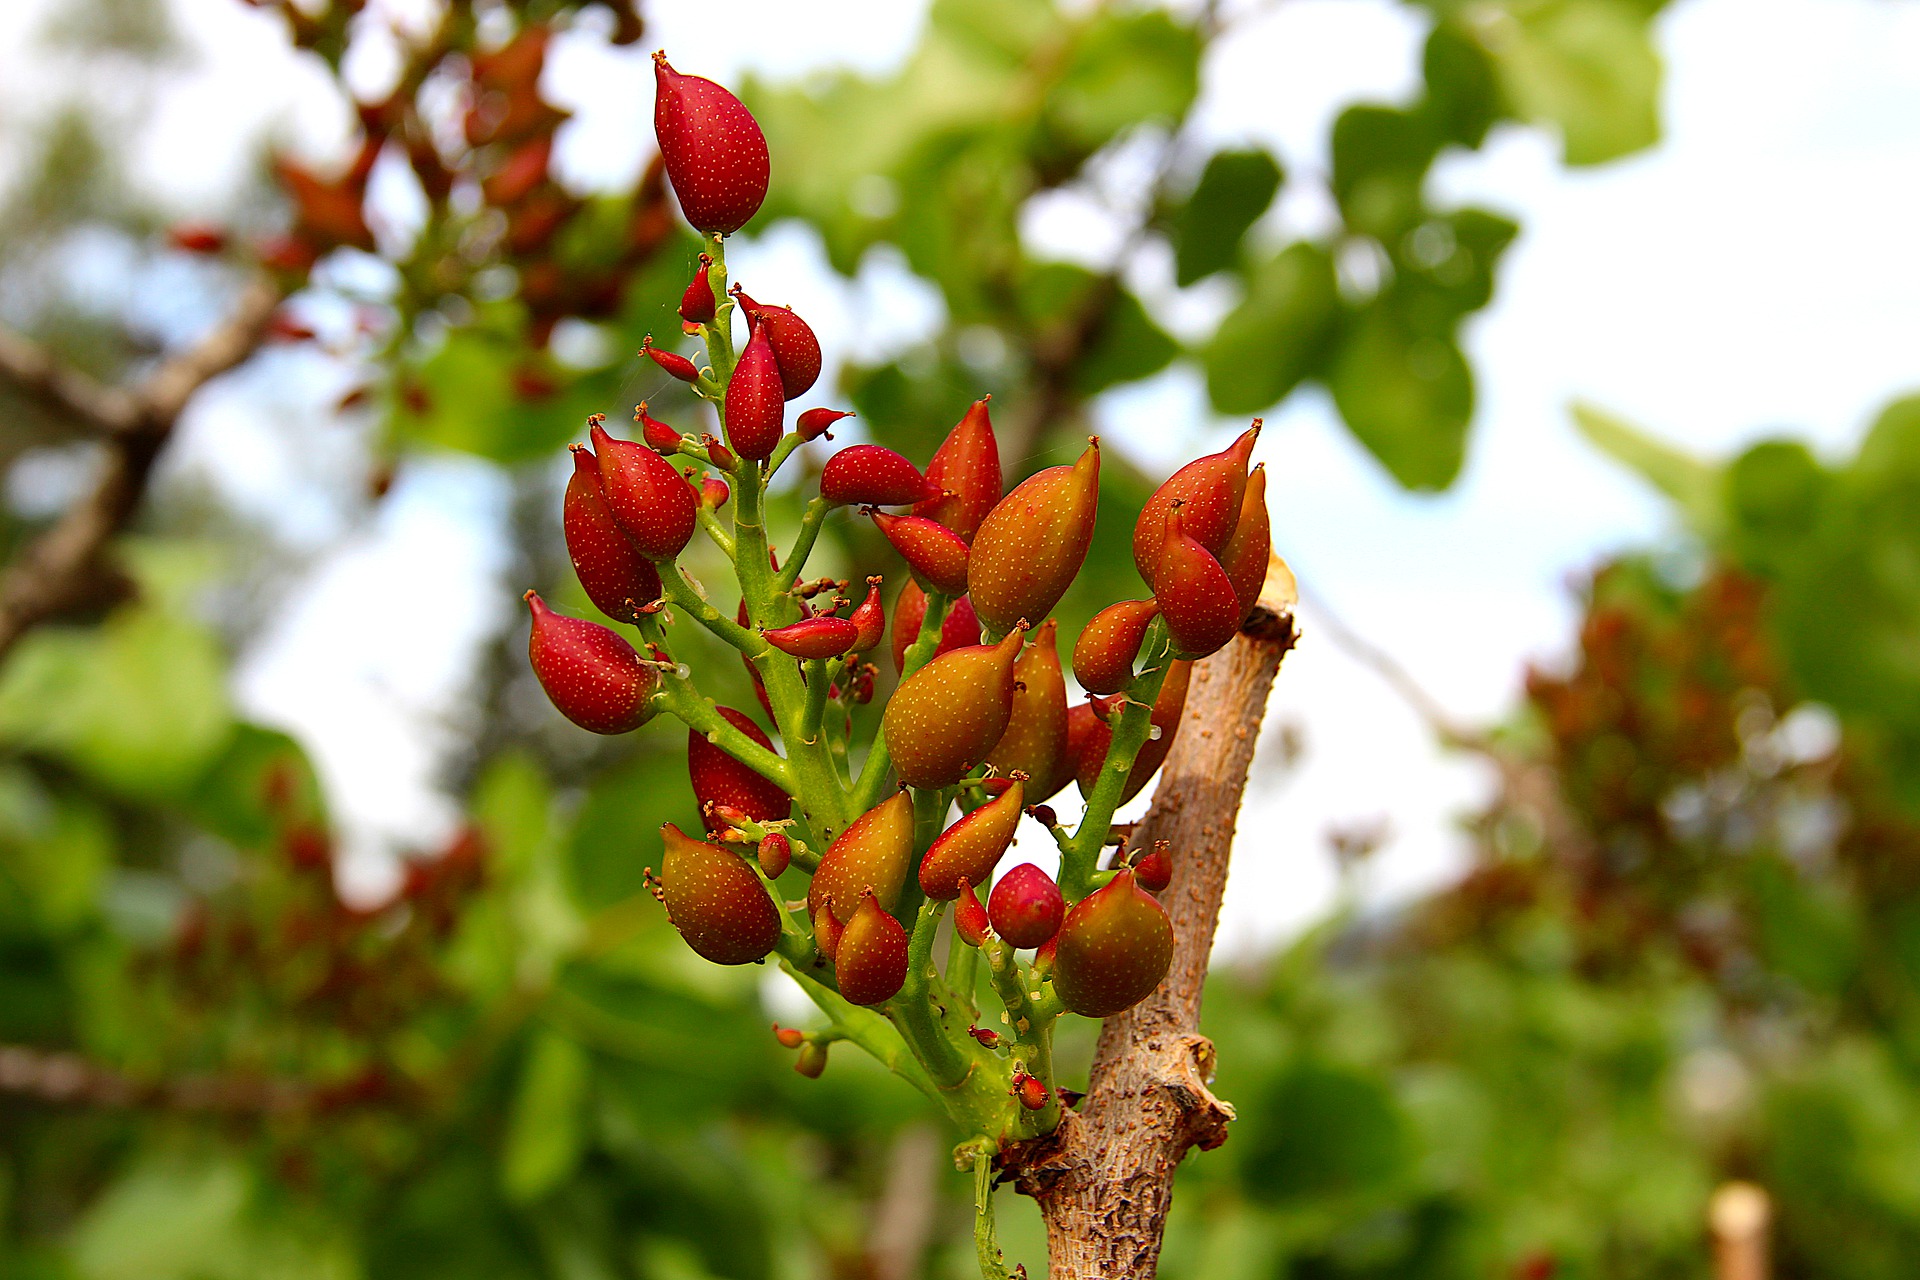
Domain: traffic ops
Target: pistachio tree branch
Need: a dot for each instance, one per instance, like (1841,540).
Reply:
(55,571)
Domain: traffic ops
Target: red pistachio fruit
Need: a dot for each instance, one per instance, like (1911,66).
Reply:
(970,918)
(775,854)
(934,552)
(946,717)
(1026,906)
(697,303)
(592,675)
(1115,947)
(873,476)
(658,435)
(617,578)
(969,850)
(814,422)
(714,153)
(960,628)
(1251,547)
(821,637)
(652,501)
(671,363)
(1088,738)
(874,853)
(1036,736)
(715,900)
(1031,545)
(1209,492)
(967,468)
(870,618)
(1103,655)
(1195,594)
(870,964)
(795,348)
(720,780)
(756,406)
(1154,869)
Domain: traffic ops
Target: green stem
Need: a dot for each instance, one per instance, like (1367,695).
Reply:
(819,681)
(1032,1017)
(1131,725)
(679,696)
(963,969)
(716,531)
(865,1028)
(986,1242)
(913,1009)
(816,515)
(683,593)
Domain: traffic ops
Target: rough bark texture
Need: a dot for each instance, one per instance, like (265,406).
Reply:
(1104,1178)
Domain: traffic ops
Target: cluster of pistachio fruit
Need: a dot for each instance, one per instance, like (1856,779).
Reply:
(979,722)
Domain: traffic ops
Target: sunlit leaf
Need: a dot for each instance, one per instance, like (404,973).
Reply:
(1235,188)
(1278,333)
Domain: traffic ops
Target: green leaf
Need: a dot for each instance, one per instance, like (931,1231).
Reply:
(1278,333)
(1406,392)
(1124,70)
(139,703)
(1323,1130)
(546,1129)
(1587,66)
(1463,93)
(1235,188)
(1380,159)
(1692,484)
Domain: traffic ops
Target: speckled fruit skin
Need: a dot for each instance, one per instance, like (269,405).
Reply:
(659,437)
(720,779)
(869,618)
(870,964)
(697,303)
(960,628)
(1115,947)
(815,423)
(650,500)
(971,848)
(970,917)
(795,347)
(714,153)
(671,363)
(946,717)
(1196,596)
(1088,738)
(935,553)
(1103,655)
(1154,872)
(1033,542)
(1036,737)
(775,854)
(875,852)
(967,467)
(1026,907)
(1251,547)
(756,406)
(716,901)
(616,576)
(592,675)
(816,637)
(1208,490)
(873,476)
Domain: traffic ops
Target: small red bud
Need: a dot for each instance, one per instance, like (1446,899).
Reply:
(960,628)
(617,578)
(1044,815)
(658,435)
(789,1037)
(673,364)
(969,850)
(1209,491)
(1031,545)
(720,780)
(714,493)
(869,475)
(1114,948)
(1032,1093)
(1026,906)
(1248,551)
(965,474)
(756,406)
(875,853)
(820,637)
(826,931)
(193,237)
(696,304)
(969,917)
(870,618)
(775,854)
(987,1036)
(814,422)
(716,901)
(712,148)
(946,717)
(1154,869)
(812,1060)
(934,552)
(651,500)
(1195,594)
(870,963)
(795,348)
(1103,655)
(717,453)
(592,675)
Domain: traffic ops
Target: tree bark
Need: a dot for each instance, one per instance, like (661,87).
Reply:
(1104,1178)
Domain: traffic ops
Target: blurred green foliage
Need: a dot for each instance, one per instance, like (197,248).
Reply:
(1688,950)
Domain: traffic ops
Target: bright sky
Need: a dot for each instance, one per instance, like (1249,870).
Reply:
(1757,271)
